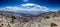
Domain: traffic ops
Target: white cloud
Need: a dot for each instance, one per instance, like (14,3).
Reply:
(9,8)
(25,7)
(35,7)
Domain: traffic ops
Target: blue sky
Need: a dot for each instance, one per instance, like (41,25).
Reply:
(51,4)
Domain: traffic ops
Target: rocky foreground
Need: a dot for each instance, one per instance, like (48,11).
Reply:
(49,19)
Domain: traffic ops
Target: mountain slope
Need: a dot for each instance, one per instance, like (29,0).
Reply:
(10,19)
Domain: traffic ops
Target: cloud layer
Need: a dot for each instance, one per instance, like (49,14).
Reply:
(25,7)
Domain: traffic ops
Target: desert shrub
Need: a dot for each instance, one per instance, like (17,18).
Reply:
(12,21)
(47,17)
(13,17)
(25,20)
(9,25)
(53,24)
(1,13)
(1,26)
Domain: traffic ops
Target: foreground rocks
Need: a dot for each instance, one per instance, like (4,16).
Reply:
(50,19)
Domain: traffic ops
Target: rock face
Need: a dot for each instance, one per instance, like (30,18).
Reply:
(49,19)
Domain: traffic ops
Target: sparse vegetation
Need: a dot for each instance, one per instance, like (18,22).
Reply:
(53,25)
(1,26)
(46,17)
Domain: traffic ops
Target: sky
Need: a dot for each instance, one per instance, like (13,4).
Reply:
(50,4)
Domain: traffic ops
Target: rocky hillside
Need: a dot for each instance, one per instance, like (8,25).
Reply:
(48,19)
